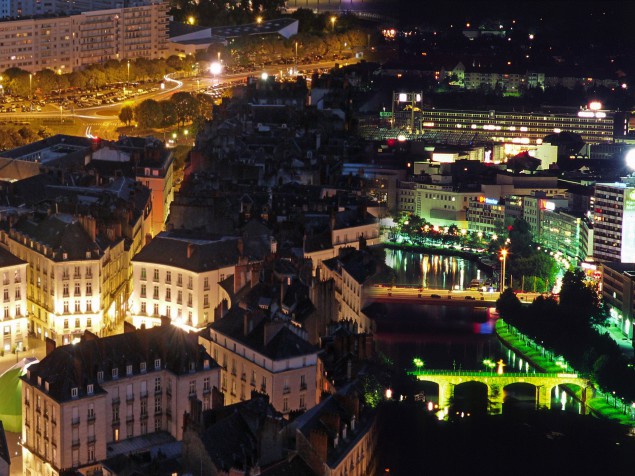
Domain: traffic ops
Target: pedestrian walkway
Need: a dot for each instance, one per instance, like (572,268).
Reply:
(626,345)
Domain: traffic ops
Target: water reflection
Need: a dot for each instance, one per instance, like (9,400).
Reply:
(432,271)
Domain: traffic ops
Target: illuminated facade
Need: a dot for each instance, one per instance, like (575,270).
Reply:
(73,282)
(618,291)
(81,400)
(257,353)
(14,324)
(565,231)
(178,277)
(614,222)
(74,41)
(522,128)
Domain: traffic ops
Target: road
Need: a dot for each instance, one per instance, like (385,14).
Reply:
(103,121)
(441,296)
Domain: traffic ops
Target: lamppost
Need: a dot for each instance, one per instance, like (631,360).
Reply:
(215,68)
(30,81)
(333,23)
(504,260)
(1,87)
(296,58)
(59,89)
(127,82)
(259,20)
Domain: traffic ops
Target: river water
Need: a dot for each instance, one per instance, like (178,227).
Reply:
(445,337)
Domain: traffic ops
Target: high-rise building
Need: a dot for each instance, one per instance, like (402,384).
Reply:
(65,42)
(614,217)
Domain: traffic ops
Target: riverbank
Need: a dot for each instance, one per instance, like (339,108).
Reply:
(468,255)
(599,403)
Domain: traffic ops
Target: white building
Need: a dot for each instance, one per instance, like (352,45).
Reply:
(614,217)
(14,304)
(81,400)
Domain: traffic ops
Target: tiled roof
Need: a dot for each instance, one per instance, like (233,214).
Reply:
(9,259)
(76,365)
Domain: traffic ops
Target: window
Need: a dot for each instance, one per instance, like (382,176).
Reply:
(192,387)
(91,454)
(74,392)
(205,300)
(157,364)
(206,384)
(115,413)
(115,373)
(155,293)
(143,308)
(157,424)
(142,367)
(189,299)
(91,411)
(128,369)
(156,309)
(179,297)
(89,289)
(143,290)
(206,284)
(90,389)
(77,306)
(100,376)
(157,404)
(302,403)
(168,311)
(89,322)
(189,282)
(143,273)
(65,323)
(6,312)
(144,407)
(78,290)
(157,384)
(66,311)
(18,293)
(285,404)
(179,280)
(168,277)
(156,275)
(65,289)
(168,294)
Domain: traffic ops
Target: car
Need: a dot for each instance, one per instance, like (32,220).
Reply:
(435,296)
(470,298)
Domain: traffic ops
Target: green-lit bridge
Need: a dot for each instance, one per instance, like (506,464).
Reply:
(544,383)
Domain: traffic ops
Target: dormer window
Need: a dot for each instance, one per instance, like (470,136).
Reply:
(100,376)
(115,373)
(157,364)
(142,367)
(74,392)
(39,381)
(90,389)
(128,369)
(206,364)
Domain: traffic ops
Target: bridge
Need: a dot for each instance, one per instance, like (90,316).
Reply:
(544,383)
(444,297)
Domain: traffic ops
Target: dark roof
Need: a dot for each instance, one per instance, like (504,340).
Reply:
(351,218)
(295,466)
(620,267)
(285,343)
(60,232)
(9,259)
(4,449)
(205,255)
(76,365)
(58,139)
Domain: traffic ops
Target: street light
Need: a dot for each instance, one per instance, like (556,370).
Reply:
(258,20)
(30,81)
(504,259)
(296,58)
(59,89)
(127,82)
(333,23)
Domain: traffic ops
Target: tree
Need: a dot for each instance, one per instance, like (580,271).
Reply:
(508,305)
(126,115)
(521,238)
(580,301)
(185,107)
(148,114)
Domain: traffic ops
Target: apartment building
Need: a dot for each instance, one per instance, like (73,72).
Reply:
(14,303)
(565,231)
(82,401)
(178,275)
(264,354)
(71,41)
(618,291)
(28,8)
(614,222)
(75,280)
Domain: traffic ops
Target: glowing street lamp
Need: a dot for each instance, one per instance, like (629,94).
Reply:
(30,81)
(215,68)
(504,260)
(333,23)
(259,20)
(630,159)
(418,363)
(191,20)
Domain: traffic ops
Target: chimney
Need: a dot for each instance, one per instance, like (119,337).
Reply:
(128,327)
(240,245)
(50,345)
(89,336)
(247,323)
(319,442)
(353,421)
(271,329)
(165,321)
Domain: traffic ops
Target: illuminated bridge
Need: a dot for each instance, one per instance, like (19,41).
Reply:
(496,383)
(409,294)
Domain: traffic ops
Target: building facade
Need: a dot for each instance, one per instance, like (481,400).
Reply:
(618,290)
(265,355)
(68,42)
(82,399)
(614,222)
(14,303)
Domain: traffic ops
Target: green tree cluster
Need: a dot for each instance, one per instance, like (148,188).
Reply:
(182,108)
(12,136)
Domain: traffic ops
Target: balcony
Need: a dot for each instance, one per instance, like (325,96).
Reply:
(90,418)
(263,388)
(130,398)
(143,394)
(75,443)
(91,439)
(129,418)
(243,377)
(286,390)
(75,421)
(115,422)
(168,391)
(192,394)
(303,386)
(115,400)
(144,416)
(207,391)
(157,411)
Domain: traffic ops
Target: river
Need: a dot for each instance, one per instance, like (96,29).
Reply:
(446,337)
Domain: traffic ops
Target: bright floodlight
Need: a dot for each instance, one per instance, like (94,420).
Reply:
(630,159)
(215,68)
(264,76)
(595,105)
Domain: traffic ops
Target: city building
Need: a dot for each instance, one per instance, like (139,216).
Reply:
(517,127)
(5,456)
(76,278)
(618,291)
(82,402)
(178,275)
(565,231)
(534,204)
(30,8)
(14,291)
(614,221)
(339,436)
(67,42)
(265,354)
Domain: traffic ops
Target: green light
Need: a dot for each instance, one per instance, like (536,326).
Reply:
(418,362)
